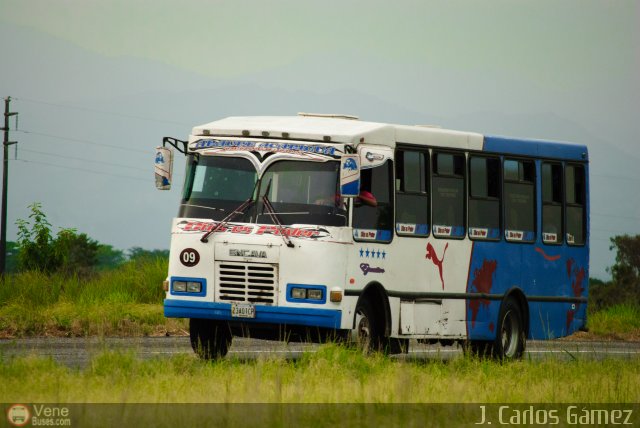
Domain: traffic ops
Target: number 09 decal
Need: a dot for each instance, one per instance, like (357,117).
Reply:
(189,257)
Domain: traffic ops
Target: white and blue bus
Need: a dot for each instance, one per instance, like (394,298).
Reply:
(318,226)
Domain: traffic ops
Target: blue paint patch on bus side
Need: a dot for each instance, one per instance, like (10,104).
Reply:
(539,271)
(535,148)
(327,318)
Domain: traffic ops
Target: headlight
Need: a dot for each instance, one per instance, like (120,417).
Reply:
(314,294)
(180,286)
(194,287)
(298,293)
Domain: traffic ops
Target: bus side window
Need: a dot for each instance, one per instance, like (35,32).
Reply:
(412,198)
(448,188)
(484,197)
(575,182)
(376,219)
(552,203)
(519,201)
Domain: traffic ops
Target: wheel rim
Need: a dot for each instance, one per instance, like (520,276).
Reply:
(510,334)
(363,331)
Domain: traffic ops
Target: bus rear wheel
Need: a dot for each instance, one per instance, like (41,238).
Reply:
(510,339)
(210,339)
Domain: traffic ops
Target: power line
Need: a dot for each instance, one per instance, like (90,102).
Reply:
(616,177)
(617,216)
(77,140)
(111,113)
(599,239)
(84,160)
(82,169)
(177,178)
(617,232)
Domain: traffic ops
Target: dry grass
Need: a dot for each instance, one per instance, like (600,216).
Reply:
(331,375)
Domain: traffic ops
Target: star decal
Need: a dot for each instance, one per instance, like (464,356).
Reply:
(372,253)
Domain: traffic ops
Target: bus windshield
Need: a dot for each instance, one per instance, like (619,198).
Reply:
(214,186)
(300,191)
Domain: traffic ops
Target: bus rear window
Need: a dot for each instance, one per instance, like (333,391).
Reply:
(552,203)
(575,204)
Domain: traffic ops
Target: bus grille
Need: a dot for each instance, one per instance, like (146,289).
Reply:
(246,282)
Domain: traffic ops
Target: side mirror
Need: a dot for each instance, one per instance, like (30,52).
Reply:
(350,176)
(163,168)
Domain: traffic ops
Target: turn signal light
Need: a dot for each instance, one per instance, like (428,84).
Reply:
(335,296)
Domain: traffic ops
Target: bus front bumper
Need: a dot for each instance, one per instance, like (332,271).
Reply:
(327,318)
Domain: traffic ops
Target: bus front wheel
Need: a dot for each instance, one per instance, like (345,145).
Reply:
(209,339)
(368,334)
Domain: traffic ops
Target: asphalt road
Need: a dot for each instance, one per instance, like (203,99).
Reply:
(78,352)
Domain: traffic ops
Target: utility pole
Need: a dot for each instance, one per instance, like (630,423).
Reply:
(5,182)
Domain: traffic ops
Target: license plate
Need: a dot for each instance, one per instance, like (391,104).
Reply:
(243,311)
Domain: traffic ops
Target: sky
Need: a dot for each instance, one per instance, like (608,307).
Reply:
(99,83)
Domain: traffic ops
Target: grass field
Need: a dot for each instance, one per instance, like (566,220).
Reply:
(618,322)
(128,302)
(333,374)
(122,302)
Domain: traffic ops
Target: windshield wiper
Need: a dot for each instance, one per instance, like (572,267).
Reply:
(274,217)
(240,210)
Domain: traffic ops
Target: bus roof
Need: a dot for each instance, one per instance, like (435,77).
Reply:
(346,130)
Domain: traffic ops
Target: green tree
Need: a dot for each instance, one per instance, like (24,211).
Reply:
(109,257)
(68,251)
(140,254)
(624,288)
(626,270)
(77,252)
(37,249)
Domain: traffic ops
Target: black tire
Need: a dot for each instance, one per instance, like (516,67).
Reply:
(510,337)
(210,339)
(369,332)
